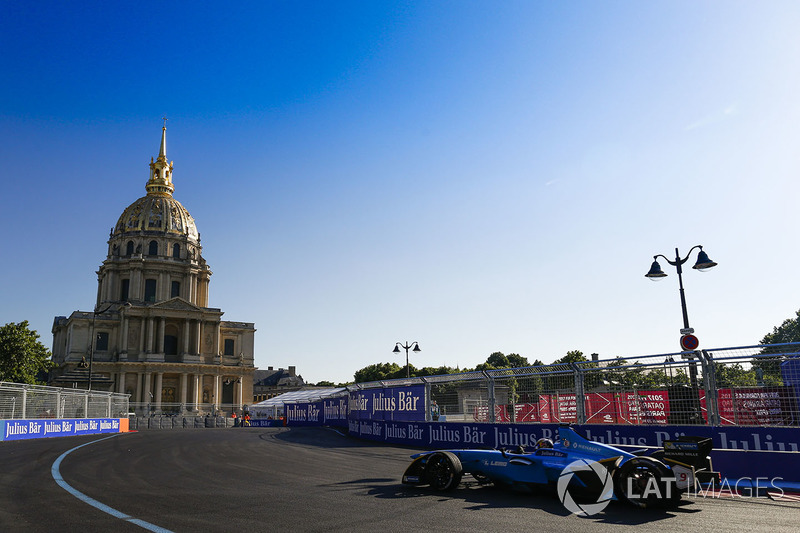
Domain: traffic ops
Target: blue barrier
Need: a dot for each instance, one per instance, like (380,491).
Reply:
(44,428)
(397,416)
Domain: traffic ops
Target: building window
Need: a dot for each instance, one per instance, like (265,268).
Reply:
(228,347)
(129,249)
(126,287)
(176,251)
(176,289)
(102,342)
(149,290)
(170,345)
(153,249)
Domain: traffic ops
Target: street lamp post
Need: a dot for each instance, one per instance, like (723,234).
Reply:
(703,263)
(93,340)
(406,347)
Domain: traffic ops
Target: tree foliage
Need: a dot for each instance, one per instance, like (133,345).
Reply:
(573,356)
(23,359)
(788,331)
(377,372)
(767,369)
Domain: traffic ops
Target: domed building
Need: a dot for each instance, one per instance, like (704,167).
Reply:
(152,334)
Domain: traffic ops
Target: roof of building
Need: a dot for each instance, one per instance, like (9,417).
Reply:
(305,395)
(277,378)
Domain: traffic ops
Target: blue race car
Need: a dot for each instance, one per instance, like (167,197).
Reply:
(575,465)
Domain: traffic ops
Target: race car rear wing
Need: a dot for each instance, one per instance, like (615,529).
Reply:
(693,453)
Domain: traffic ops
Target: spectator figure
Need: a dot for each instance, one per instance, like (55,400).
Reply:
(434,410)
(235,420)
(247,419)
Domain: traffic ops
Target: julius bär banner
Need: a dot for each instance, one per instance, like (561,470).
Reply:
(40,428)
(304,414)
(334,411)
(398,403)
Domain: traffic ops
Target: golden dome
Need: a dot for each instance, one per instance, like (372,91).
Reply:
(157,214)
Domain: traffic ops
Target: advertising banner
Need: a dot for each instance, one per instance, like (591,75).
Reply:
(455,435)
(644,407)
(334,411)
(405,404)
(304,414)
(565,407)
(601,408)
(768,406)
(41,428)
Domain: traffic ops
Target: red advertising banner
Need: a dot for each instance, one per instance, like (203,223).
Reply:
(565,407)
(769,406)
(748,406)
(526,412)
(481,413)
(644,407)
(545,409)
(601,408)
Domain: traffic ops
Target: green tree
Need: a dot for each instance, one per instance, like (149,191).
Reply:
(767,369)
(23,359)
(517,361)
(573,356)
(734,375)
(788,331)
(378,372)
(498,360)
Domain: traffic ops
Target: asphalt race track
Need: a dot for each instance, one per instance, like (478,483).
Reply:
(299,479)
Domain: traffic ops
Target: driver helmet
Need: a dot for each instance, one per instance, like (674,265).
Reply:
(544,443)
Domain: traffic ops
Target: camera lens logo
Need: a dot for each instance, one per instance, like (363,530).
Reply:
(585,509)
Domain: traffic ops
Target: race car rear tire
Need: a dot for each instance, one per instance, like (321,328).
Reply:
(443,471)
(645,482)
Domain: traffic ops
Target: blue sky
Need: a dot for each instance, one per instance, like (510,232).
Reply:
(475,176)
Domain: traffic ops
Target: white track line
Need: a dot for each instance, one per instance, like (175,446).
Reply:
(91,501)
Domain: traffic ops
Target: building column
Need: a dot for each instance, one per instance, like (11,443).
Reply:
(142,335)
(239,387)
(198,390)
(189,288)
(161,325)
(150,326)
(186,335)
(216,392)
(124,340)
(147,394)
(197,338)
(121,385)
(159,385)
(184,384)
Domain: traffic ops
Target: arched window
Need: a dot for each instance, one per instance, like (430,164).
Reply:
(170,345)
(149,290)
(129,249)
(153,249)
(176,251)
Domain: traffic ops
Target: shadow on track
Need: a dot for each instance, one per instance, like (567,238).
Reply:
(480,498)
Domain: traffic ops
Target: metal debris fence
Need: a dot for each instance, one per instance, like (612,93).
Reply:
(743,386)
(21,401)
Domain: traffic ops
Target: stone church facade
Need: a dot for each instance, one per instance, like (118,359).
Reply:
(152,334)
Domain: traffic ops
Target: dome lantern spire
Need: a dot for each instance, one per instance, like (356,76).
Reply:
(160,182)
